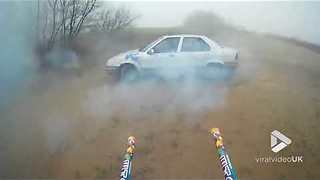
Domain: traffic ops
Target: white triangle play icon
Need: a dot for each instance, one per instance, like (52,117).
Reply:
(279,141)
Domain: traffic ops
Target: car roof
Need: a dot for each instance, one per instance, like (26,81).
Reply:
(184,35)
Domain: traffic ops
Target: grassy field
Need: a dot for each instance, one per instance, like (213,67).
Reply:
(77,126)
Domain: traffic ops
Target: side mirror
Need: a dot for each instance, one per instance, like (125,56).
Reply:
(151,51)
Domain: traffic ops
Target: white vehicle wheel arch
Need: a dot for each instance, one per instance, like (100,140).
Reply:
(215,62)
(135,64)
(128,72)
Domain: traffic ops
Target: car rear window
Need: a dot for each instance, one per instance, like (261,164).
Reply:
(194,44)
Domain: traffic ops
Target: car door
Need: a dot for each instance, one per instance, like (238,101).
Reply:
(162,55)
(195,52)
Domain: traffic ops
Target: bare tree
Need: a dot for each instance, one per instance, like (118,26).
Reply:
(64,19)
(114,19)
(79,12)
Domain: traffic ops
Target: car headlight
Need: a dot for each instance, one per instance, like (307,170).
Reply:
(111,62)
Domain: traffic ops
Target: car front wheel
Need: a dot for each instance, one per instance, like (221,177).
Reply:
(128,73)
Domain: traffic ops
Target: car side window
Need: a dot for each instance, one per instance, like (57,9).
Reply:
(167,45)
(194,44)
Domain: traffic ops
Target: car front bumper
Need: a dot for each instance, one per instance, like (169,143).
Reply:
(111,69)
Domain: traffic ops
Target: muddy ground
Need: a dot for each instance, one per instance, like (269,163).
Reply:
(76,126)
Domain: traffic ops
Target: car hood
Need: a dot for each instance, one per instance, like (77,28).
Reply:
(126,54)
(118,59)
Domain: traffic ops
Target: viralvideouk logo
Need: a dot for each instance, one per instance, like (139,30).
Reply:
(279,141)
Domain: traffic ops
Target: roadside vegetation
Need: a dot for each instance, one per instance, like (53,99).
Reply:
(68,127)
(60,22)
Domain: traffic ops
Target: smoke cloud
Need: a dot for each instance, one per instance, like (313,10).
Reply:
(16,47)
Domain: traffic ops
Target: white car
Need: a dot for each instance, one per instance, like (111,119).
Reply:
(174,53)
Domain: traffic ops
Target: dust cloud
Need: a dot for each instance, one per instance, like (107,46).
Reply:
(190,97)
(75,125)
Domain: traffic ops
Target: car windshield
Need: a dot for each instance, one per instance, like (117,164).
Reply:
(145,48)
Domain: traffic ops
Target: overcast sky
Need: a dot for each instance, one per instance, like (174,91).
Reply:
(293,19)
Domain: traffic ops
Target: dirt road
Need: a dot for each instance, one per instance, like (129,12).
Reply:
(77,127)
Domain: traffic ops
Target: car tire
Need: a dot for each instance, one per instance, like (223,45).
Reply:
(216,67)
(128,73)
(215,70)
